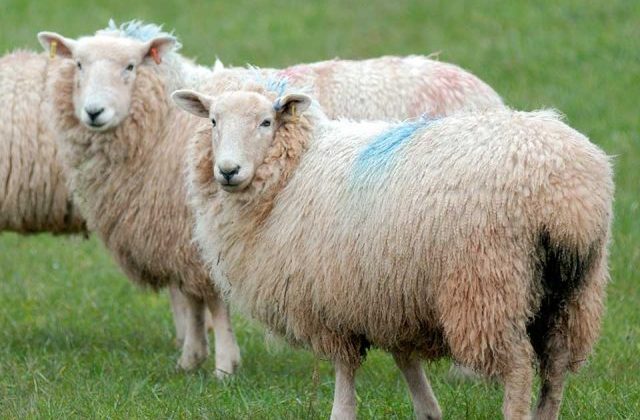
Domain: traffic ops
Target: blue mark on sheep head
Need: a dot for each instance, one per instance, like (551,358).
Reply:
(137,29)
(275,84)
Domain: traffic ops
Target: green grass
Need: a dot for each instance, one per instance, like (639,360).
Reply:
(78,340)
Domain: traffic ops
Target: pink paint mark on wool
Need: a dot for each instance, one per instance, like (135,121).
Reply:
(445,92)
(295,73)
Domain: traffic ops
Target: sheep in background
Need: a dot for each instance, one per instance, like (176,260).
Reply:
(33,192)
(481,235)
(121,142)
(386,87)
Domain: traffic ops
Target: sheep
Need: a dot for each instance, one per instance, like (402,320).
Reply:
(360,89)
(120,141)
(33,193)
(34,197)
(483,236)
(110,148)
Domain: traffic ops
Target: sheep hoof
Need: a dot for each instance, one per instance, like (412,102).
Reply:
(226,368)
(191,361)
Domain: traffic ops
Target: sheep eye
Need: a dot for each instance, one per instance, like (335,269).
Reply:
(266,123)
(130,67)
(79,65)
(213,122)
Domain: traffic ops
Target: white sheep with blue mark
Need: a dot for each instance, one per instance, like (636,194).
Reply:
(481,235)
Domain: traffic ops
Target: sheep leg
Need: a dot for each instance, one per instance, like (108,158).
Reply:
(208,321)
(226,347)
(179,309)
(344,397)
(518,380)
(425,404)
(196,347)
(553,369)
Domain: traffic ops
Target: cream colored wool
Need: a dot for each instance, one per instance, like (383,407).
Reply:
(122,176)
(33,192)
(386,87)
(482,235)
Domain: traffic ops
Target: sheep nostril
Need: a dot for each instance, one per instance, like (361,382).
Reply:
(228,173)
(93,113)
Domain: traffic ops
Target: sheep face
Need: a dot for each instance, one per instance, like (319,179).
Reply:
(105,73)
(244,126)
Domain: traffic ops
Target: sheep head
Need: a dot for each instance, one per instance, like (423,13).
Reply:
(244,126)
(105,72)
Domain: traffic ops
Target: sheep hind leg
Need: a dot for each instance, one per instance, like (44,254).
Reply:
(344,398)
(518,380)
(425,404)
(195,349)
(553,369)
(226,348)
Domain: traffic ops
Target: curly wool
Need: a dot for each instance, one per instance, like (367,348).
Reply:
(33,192)
(424,253)
(127,182)
(383,88)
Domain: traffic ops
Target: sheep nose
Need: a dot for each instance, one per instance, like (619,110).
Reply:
(228,172)
(93,113)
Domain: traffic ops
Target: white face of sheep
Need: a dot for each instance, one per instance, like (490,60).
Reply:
(105,73)
(244,126)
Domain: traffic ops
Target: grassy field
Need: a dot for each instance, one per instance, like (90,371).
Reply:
(78,340)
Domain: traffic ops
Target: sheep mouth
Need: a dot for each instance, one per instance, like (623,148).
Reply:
(233,187)
(97,126)
(230,187)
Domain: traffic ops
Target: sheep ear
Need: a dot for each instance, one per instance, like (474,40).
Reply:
(193,102)
(156,48)
(291,105)
(56,44)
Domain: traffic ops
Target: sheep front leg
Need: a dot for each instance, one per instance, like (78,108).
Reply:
(425,404)
(179,309)
(344,398)
(196,347)
(226,347)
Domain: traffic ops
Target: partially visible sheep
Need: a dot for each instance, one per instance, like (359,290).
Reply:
(33,192)
(123,144)
(379,88)
(481,235)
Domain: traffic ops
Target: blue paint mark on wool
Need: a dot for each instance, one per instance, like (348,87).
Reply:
(137,29)
(377,155)
(276,84)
